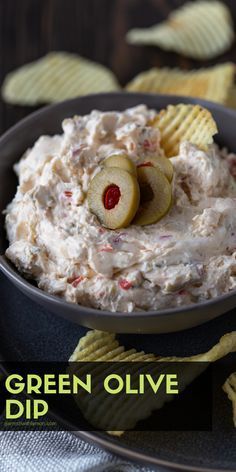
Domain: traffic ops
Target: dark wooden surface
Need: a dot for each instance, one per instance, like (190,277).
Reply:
(93,28)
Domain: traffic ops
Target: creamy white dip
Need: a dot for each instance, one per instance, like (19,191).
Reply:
(187,257)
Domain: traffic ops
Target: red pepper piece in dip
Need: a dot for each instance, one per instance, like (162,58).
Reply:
(68,193)
(75,281)
(125,284)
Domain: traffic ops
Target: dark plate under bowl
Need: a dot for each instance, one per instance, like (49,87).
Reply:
(48,121)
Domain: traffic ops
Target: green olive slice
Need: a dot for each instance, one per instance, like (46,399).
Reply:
(155,196)
(122,162)
(114,196)
(162,163)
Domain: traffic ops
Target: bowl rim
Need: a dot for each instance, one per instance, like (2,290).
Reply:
(13,274)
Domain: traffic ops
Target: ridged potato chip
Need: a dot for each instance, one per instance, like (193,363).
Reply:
(231,99)
(184,122)
(93,345)
(55,77)
(98,409)
(213,83)
(229,387)
(103,347)
(200,30)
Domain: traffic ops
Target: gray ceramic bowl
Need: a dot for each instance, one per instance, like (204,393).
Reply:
(48,121)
